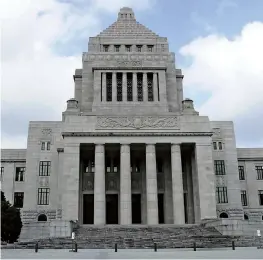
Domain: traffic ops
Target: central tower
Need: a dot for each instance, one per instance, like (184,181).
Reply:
(128,69)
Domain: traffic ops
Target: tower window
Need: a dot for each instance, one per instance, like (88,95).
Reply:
(105,48)
(219,167)
(150,86)
(139,48)
(44,168)
(109,86)
(119,86)
(129,87)
(150,48)
(117,48)
(139,86)
(128,48)
(241,171)
(244,198)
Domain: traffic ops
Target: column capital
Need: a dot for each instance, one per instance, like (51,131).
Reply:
(99,148)
(175,147)
(125,148)
(150,148)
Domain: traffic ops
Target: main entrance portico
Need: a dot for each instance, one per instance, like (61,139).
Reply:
(141,183)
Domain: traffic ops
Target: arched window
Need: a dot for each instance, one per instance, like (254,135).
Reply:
(42,217)
(223,215)
(245,217)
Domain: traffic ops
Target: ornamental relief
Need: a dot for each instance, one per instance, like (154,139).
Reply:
(137,122)
(134,57)
(221,181)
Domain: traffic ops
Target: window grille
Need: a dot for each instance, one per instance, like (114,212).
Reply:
(109,86)
(241,171)
(119,86)
(259,170)
(140,86)
(43,196)
(44,168)
(219,167)
(221,195)
(244,198)
(129,87)
(150,86)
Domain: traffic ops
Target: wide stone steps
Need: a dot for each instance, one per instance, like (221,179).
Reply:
(144,237)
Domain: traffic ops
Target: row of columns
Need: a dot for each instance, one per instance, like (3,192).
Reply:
(125,186)
(134,87)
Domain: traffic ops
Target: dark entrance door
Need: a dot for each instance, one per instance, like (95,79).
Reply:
(136,209)
(160,209)
(112,209)
(88,209)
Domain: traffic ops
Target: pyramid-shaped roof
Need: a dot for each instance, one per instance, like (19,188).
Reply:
(127,26)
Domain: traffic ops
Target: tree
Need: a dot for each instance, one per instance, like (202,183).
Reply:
(11,221)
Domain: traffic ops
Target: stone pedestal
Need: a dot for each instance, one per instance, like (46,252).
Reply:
(151,185)
(125,186)
(99,186)
(177,183)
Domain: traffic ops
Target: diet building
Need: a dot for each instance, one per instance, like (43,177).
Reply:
(130,148)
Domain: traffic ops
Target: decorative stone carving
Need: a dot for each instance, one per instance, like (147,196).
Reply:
(46,131)
(43,181)
(216,132)
(137,122)
(111,181)
(59,213)
(129,63)
(221,181)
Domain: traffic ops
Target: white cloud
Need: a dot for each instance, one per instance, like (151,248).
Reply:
(232,71)
(32,74)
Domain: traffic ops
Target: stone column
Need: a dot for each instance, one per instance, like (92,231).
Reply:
(151,185)
(99,186)
(134,87)
(70,179)
(145,87)
(97,86)
(177,183)
(114,87)
(124,86)
(162,86)
(125,185)
(206,181)
(155,87)
(104,88)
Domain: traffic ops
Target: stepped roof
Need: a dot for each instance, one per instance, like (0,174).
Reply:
(127,26)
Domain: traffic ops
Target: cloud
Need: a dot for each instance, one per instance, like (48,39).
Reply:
(37,81)
(231,72)
(225,4)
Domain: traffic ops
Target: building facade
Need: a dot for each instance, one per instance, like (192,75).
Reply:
(129,148)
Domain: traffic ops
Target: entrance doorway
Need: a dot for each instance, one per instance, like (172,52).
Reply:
(160,209)
(112,209)
(136,209)
(88,209)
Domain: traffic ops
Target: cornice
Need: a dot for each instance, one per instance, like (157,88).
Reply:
(13,160)
(83,134)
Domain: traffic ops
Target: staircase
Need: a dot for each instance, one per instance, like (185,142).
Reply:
(139,237)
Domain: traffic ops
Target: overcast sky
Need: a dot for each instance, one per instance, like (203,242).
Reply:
(218,44)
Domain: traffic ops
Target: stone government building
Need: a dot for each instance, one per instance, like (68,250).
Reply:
(130,149)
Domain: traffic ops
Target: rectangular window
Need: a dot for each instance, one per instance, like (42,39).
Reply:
(18,199)
(221,195)
(150,48)
(105,48)
(43,145)
(109,86)
(129,87)
(241,171)
(119,86)
(260,196)
(20,172)
(44,168)
(220,147)
(139,87)
(128,48)
(117,48)
(43,196)
(150,86)
(2,173)
(259,170)
(48,146)
(139,48)
(244,198)
(215,145)
(219,167)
